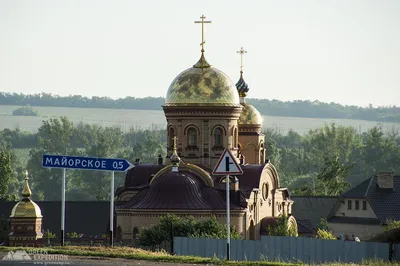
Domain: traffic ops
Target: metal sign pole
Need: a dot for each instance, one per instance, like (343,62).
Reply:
(112,209)
(63,206)
(228,221)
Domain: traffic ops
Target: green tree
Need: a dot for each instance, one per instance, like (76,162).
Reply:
(25,111)
(380,152)
(333,176)
(5,171)
(55,137)
(98,142)
(323,224)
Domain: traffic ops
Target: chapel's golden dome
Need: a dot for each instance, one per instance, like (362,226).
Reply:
(202,84)
(250,115)
(26,208)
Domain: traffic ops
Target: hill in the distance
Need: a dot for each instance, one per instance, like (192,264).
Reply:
(298,108)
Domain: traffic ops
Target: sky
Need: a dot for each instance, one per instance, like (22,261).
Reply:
(331,51)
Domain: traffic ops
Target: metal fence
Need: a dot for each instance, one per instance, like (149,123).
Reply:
(396,252)
(276,248)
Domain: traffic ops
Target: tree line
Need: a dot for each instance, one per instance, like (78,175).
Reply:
(298,108)
(325,161)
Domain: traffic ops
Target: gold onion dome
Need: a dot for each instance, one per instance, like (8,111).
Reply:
(26,207)
(202,84)
(250,115)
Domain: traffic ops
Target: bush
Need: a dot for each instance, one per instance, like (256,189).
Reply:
(391,225)
(172,225)
(281,228)
(25,111)
(325,234)
(323,224)
(49,234)
(73,235)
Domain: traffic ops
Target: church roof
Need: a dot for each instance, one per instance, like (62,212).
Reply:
(141,174)
(181,190)
(250,115)
(242,86)
(26,208)
(202,85)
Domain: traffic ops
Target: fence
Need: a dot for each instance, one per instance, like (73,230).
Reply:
(396,252)
(274,248)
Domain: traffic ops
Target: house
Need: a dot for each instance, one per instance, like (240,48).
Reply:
(363,210)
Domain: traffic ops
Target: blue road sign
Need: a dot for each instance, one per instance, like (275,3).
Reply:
(86,163)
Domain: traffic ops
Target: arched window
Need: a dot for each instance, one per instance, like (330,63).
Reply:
(192,137)
(218,137)
(171,135)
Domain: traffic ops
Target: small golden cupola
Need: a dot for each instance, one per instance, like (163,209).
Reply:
(251,138)
(26,219)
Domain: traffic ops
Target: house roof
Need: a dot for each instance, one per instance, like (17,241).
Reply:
(305,227)
(312,208)
(383,201)
(358,191)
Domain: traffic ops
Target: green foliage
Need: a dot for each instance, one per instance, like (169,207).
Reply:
(25,111)
(48,234)
(323,224)
(281,228)
(73,235)
(5,171)
(325,234)
(322,162)
(185,226)
(391,224)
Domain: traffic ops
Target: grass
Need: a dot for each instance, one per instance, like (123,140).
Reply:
(139,254)
(126,119)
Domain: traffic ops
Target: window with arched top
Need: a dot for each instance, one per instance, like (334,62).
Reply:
(218,137)
(192,137)
(171,135)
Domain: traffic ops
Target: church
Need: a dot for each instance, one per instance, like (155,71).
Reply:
(206,113)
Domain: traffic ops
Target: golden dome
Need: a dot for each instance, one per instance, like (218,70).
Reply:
(202,84)
(250,115)
(26,207)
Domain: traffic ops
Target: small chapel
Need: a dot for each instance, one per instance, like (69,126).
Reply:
(206,113)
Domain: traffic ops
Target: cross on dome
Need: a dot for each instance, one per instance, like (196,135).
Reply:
(202,31)
(241,52)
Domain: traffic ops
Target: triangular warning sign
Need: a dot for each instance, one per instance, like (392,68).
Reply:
(227,165)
